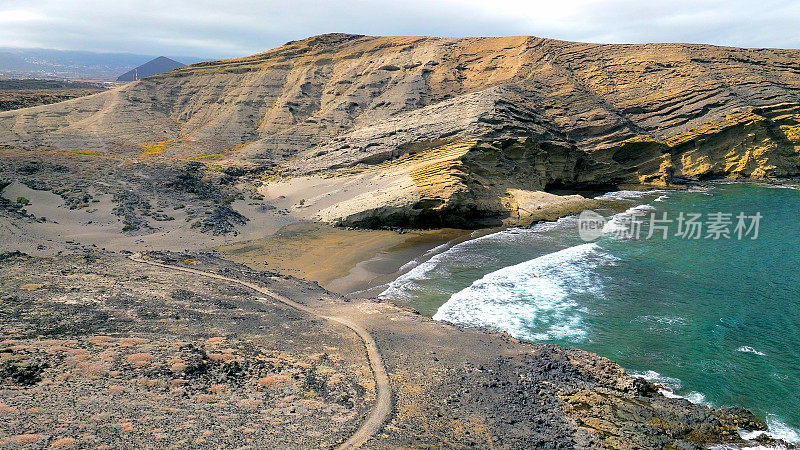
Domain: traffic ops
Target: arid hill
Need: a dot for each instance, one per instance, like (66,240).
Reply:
(424,130)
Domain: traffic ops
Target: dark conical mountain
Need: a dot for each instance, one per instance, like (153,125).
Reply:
(159,65)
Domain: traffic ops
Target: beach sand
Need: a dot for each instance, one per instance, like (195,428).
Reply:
(339,259)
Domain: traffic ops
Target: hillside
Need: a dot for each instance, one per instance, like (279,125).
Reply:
(153,238)
(432,130)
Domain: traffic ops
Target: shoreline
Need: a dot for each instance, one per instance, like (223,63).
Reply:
(356,261)
(567,391)
(778,426)
(349,257)
(339,259)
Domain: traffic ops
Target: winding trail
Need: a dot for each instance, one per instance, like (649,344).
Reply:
(383,405)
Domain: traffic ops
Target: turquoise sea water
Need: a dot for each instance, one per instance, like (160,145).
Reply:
(716,321)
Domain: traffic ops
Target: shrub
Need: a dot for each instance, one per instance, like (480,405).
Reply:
(80,152)
(154,149)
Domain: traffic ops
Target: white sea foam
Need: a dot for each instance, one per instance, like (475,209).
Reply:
(640,209)
(669,385)
(778,186)
(656,378)
(620,223)
(750,435)
(408,266)
(705,190)
(776,428)
(694,397)
(561,223)
(437,249)
(748,349)
(748,447)
(400,287)
(405,268)
(532,300)
(626,195)
(403,286)
(661,198)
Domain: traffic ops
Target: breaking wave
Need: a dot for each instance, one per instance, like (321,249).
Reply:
(669,385)
(533,300)
(748,349)
(626,195)
(404,286)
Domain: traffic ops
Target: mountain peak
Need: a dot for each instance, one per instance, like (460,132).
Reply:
(153,67)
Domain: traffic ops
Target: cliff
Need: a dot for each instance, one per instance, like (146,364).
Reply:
(527,114)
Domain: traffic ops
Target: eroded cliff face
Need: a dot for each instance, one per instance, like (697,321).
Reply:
(525,113)
(756,143)
(462,184)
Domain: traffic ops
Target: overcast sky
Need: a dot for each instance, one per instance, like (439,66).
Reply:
(220,28)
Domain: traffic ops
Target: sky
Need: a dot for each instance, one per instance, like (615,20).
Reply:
(220,28)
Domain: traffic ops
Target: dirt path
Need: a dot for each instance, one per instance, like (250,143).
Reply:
(383,405)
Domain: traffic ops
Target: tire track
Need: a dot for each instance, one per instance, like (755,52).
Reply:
(383,405)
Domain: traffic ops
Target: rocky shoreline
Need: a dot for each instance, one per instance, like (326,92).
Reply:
(96,328)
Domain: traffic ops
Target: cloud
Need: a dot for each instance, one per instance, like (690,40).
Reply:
(12,16)
(240,27)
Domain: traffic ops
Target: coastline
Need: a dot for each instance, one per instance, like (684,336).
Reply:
(341,260)
(379,241)
(315,374)
(778,429)
(354,257)
(364,282)
(354,261)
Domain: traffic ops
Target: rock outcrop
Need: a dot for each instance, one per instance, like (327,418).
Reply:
(532,113)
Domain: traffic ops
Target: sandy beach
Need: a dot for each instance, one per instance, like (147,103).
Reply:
(339,259)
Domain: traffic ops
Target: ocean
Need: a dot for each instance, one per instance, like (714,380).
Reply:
(716,321)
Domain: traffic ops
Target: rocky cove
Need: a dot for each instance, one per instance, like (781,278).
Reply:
(314,154)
